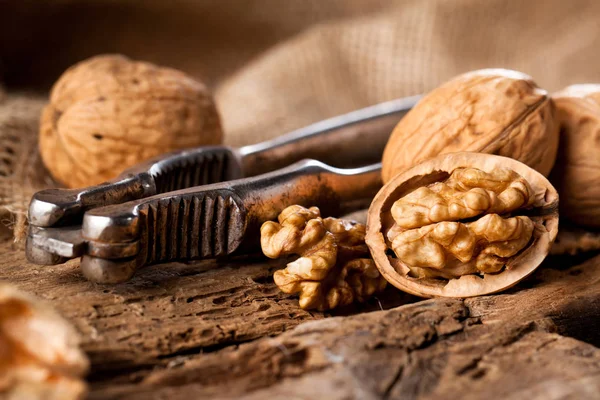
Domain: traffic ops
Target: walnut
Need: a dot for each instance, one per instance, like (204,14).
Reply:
(108,113)
(39,351)
(577,171)
(491,111)
(333,270)
(461,225)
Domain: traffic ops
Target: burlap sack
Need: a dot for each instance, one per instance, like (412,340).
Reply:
(276,65)
(21,169)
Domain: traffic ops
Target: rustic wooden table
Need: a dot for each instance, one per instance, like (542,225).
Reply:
(218,330)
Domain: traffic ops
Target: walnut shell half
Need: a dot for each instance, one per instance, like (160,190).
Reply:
(108,113)
(493,111)
(461,225)
(577,171)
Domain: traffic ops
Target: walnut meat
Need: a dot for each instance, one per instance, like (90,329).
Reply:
(491,111)
(39,351)
(334,269)
(577,171)
(108,113)
(461,225)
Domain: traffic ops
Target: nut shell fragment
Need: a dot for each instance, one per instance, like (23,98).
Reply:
(493,111)
(471,251)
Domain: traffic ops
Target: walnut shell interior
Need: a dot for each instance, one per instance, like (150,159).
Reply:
(456,276)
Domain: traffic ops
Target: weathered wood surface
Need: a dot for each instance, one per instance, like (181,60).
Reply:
(509,346)
(167,310)
(178,332)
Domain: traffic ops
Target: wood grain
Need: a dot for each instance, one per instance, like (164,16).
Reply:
(180,331)
(168,310)
(508,346)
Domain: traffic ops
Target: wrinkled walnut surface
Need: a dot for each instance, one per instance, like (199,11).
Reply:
(577,172)
(334,269)
(39,351)
(428,239)
(462,224)
(108,113)
(491,111)
(468,192)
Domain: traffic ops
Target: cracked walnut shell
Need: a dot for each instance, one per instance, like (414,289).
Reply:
(39,351)
(334,269)
(493,111)
(108,113)
(462,225)
(577,171)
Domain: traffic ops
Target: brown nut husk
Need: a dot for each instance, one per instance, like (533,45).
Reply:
(108,113)
(333,269)
(493,111)
(40,356)
(461,225)
(577,171)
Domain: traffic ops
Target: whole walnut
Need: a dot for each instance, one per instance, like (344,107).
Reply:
(108,113)
(493,111)
(577,171)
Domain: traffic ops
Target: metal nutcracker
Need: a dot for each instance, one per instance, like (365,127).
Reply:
(210,201)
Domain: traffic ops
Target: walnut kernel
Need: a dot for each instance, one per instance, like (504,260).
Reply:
(334,269)
(462,224)
(39,351)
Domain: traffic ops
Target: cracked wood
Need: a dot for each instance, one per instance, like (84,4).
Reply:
(522,344)
(167,310)
(179,331)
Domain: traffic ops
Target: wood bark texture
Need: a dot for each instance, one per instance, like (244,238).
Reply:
(224,330)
